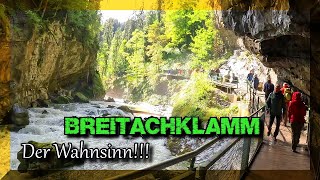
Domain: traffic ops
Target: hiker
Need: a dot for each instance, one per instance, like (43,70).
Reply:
(284,86)
(212,74)
(250,76)
(256,82)
(234,78)
(227,77)
(268,88)
(296,112)
(287,93)
(217,71)
(276,105)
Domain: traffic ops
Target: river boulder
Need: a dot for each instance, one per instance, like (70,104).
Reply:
(125,108)
(17,118)
(109,99)
(39,167)
(40,103)
(61,100)
(43,103)
(45,112)
(79,97)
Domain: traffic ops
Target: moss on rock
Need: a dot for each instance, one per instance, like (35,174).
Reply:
(61,100)
(125,108)
(40,167)
(98,88)
(79,97)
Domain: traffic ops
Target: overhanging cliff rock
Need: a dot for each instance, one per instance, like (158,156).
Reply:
(278,31)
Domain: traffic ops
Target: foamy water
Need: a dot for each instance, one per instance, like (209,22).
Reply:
(50,128)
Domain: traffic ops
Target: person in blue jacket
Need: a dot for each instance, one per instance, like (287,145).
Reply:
(250,76)
(268,88)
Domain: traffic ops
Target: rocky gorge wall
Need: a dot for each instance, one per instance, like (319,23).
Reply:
(278,32)
(5,56)
(37,64)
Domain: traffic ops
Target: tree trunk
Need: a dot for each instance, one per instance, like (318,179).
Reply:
(40,5)
(45,8)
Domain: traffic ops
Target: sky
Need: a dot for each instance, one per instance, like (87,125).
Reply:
(120,15)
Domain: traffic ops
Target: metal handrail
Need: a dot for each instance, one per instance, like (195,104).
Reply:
(217,156)
(184,157)
(224,151)
(169,162)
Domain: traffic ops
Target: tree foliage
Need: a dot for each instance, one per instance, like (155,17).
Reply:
(78,18)
(138,50)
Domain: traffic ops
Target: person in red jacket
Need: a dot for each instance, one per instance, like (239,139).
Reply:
(296,112)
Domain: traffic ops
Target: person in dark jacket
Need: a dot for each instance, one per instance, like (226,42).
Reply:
(235,79)
(276,105)
(296,113)
(255,82)
(268,88)
(212,74)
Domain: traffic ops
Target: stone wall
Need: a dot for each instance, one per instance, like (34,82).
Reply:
(37,63)
(46,62)
(5,56)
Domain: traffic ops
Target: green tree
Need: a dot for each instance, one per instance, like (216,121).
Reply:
(177,28)
(156,41)
(202,45)
(136,53)
(114,59)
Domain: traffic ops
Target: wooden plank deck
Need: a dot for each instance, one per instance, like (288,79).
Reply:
(225,84)
(276,160)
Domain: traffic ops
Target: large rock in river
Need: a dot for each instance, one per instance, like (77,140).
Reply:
(17,118)
(79,97)
(109,99)
(125,108)
(39,167)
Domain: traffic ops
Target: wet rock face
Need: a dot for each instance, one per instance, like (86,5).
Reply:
(4,77)
(264,19)
(45,63)
(35,64)
(254,22)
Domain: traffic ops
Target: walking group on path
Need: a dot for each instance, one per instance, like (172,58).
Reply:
(283,104)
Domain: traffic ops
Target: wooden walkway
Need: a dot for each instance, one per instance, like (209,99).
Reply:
(175,76)
(278,156)
(228,86)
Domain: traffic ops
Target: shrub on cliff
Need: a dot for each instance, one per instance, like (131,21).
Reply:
(200,99)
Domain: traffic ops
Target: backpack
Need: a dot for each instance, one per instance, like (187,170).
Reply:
(269,88)
(287,94)
(274,103)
